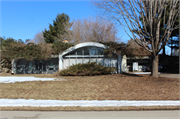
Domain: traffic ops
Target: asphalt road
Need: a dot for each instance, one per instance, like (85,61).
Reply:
(174,114)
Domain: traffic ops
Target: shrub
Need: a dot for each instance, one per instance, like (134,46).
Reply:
(86,69)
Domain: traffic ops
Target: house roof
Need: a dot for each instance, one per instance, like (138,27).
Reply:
(80,45)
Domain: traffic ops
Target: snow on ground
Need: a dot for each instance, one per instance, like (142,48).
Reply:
(83,103)
(141,72)
(12,79)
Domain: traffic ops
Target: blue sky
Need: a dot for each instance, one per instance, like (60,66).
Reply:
(24,19)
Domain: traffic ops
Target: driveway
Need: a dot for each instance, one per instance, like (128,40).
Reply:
(170,75)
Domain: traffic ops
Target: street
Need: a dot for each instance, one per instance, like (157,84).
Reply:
(90,114)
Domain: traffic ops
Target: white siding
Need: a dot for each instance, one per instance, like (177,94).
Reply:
(100,60)
(113,62)
(66,63)
(72,61)
(79,60)
(86,60)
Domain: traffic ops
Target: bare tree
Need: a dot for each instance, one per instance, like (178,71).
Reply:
(95,30)
(38,39)
(142,18)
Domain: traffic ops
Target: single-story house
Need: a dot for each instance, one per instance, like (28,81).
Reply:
(80,53)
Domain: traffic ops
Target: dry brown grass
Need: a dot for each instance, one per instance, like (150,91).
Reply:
(105,87)
(128,108)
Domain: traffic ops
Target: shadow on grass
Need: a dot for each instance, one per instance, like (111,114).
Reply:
(133,75)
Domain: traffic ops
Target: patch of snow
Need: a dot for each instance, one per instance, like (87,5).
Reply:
(83,103)
(140,72)
(12,79)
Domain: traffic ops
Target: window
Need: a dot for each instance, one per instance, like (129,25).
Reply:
(51,65)
(100,51)
(87,51)
(72,53)
(93,52)
(79,51)
(96,51)
(30,66)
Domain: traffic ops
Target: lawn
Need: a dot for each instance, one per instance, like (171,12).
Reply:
(104,87)
(69,108)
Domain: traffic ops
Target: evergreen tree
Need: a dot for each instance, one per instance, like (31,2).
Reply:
(59,28)
(60,46)
(5,42)
(1,40)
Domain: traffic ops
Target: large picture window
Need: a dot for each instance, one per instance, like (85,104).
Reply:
(86,51)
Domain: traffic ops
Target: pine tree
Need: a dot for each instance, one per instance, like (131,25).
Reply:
(60,28)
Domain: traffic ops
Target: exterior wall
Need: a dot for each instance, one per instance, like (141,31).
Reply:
(63,62)
(108,62)
(142,63)
(86,60)
(14,63)
(119,63)
(22,66)
(124,64)
(69,57)
(127,63)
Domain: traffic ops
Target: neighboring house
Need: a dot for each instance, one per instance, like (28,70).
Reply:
(80,53)
(141,64)
(136,58)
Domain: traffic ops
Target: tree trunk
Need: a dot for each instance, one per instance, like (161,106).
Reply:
(164,51)
(154,71)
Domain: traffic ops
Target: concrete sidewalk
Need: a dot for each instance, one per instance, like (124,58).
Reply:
(160,74)
(166,114)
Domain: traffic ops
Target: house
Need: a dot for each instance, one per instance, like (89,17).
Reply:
(136,58)
(80,53)
(141,64)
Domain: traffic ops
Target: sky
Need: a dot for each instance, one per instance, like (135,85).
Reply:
(23,19)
